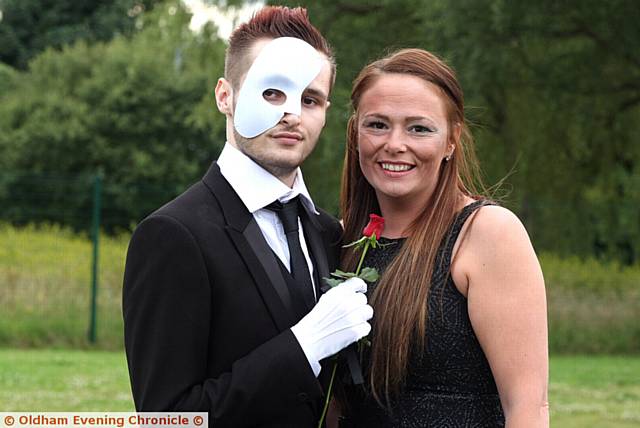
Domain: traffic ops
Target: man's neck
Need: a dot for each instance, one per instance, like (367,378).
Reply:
(288,178)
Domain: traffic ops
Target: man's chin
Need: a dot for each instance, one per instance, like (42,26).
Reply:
(286,156)
(283,165)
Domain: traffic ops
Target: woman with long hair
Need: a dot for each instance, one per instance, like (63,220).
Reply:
(460,329)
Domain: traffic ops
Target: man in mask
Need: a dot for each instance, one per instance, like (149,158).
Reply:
(222,304)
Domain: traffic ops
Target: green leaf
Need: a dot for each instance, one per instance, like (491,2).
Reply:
(331,282)
(369,274)
(340,274)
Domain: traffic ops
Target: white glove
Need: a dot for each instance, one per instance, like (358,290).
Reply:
(338,319)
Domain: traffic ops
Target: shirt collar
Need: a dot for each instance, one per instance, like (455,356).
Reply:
(243,173)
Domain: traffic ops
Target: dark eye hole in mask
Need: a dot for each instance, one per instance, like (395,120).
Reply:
(274,96)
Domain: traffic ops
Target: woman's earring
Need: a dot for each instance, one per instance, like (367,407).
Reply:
(448,158)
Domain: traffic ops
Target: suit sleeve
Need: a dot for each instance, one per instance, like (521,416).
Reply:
(167,314)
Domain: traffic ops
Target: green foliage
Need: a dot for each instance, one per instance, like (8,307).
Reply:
(30,26)
(589,275)
(7,76)
(368,274)
(139,110)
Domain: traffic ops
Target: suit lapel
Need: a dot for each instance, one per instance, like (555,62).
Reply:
(313,235)
(253,248)
(255,239)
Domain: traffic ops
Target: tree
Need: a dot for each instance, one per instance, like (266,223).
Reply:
(30,26)
(139,110)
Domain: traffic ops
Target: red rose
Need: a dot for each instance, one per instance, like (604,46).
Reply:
(375,226)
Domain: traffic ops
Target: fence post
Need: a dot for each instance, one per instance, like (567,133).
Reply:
(95,234)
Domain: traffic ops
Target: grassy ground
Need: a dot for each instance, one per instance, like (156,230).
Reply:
(595,391)
(584,391)
(62,380)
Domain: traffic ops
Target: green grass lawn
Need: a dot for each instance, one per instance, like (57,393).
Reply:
(585,391)
(595,391)
(52,380)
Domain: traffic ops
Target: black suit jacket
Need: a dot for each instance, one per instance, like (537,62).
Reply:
(207,313)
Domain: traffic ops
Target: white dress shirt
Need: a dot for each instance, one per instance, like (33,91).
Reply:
(257,188)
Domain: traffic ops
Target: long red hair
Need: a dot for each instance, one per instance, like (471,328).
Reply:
(400,297)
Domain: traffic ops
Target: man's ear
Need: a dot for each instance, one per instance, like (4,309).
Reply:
(224,96)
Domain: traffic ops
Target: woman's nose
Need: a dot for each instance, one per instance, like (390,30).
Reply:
(395,142)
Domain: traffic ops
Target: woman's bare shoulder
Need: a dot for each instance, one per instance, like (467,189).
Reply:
(495,222)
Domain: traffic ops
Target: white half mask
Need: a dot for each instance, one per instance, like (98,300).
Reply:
(286,64)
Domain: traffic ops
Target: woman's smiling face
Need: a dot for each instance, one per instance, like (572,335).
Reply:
(403,137)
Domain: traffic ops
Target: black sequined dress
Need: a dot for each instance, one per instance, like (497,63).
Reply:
(452,384)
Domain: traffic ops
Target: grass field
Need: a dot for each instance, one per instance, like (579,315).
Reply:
(62,380)
(594,392)
(584,391)
(45,288)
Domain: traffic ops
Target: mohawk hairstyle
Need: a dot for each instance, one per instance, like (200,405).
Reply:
(272,22)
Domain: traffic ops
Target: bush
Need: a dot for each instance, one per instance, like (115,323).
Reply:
(589,275)
(593,306)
